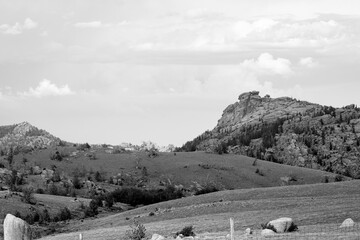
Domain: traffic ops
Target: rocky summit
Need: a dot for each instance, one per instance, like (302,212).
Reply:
(289,131)
(25,137)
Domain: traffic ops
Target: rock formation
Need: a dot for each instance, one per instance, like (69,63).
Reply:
(24,137)
(289,131)
(16,229)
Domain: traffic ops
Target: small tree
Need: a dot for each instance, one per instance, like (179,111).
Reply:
(10,156)
(28,195)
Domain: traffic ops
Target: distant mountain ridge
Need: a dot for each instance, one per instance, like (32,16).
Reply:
(287,130)
(25,135)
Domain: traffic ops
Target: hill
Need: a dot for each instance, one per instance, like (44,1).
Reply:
(190,170)
(317,209)
(289,131)
(25,137)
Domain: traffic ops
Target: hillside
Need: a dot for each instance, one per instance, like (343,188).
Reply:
(289,131)
(25,137)
(317,209)
(191,170)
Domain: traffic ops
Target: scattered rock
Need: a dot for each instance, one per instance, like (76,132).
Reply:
(228,236)
(347,223)
(267,232)
(16,228)
(248,231)
(156,236)
(282,224)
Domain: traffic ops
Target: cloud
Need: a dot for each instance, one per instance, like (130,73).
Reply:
(18,28)
(93,24)
(267,64)
(29,24)
(46,88)
(308,62)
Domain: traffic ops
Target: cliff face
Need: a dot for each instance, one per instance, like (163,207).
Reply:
(24,135)
(288,131)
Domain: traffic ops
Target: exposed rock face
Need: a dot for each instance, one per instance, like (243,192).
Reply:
(25,137)
(16,229)
(289,131)
(282,224)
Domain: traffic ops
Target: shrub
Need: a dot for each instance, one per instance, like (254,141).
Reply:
(326,179)
(28,195)
(259,172)
(56,156)
(339,178)
(137,232)
(254,162)
(187,231)
(62,215)
(76,182)
(53,190)
(109,200)
(207,189)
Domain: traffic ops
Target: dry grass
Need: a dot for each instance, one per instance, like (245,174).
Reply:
(317,209)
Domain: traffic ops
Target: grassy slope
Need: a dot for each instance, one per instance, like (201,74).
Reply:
(227,171)
(313,208)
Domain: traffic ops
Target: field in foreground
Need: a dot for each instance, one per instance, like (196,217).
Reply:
(317,209)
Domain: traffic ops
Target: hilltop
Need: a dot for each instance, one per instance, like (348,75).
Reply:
(287,130)
(26,137)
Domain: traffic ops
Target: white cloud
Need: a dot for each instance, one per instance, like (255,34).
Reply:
(267,64)
(93,24)
(308,62)
(243,28)
(29,24)
(46,88)
(18,28)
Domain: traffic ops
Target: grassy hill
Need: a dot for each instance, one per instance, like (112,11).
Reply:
(317,209)
(228,171)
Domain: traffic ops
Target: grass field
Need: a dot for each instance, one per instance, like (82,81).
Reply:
(317,209)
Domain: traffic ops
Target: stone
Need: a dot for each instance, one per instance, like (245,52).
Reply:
(16,228)
(188,238)
(267,232)
(228,236)
(36,170)
(248,231)
(156,236)
(347,223)
(281,224)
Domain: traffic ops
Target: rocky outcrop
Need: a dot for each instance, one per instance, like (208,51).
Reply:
(24,137)
(289,131)
(16,229)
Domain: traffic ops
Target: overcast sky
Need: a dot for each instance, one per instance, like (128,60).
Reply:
(164,70)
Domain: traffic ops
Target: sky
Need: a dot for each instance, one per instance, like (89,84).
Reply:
(164,70)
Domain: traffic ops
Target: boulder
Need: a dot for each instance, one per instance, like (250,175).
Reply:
(248,231)
(36,170)
(282,225)
(267,232)
(347,223)
(157,237)
(16,228)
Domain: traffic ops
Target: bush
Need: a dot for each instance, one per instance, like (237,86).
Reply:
(28,195)
(137,232)
(339,178)
(63,215)
(187,231)
(259,172)
(40,191)
(207,189)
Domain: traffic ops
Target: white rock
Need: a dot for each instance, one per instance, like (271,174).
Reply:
(347,223)
(267,232)
(188,238)
(248,231)
(281,224)
(228,236)
(156,236)
(16,228)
